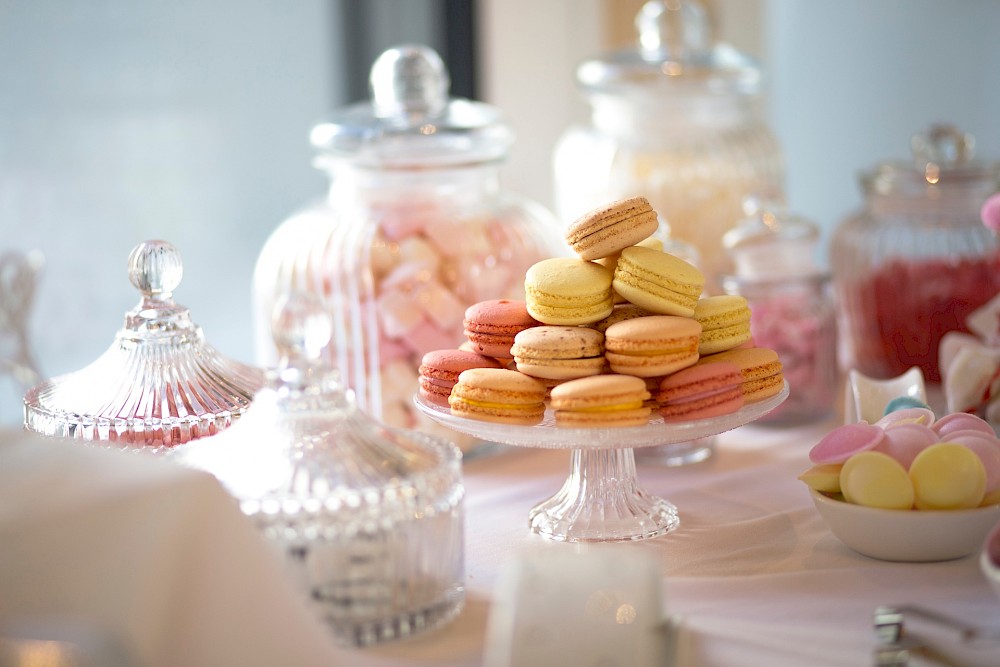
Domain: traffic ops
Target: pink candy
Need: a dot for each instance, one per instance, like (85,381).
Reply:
(844,441)
(990,213)
(904,441)
(960,421)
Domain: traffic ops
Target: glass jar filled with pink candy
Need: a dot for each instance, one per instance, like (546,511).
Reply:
(916,261)
(415,229)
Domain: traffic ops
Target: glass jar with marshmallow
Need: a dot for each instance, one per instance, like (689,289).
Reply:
(415,229)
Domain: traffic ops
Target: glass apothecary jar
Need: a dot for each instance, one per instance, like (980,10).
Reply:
(415,229)
(677,120)
(916,260)
(368,518)
(159,385)
(774,254)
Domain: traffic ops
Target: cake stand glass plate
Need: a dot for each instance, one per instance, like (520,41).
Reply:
(601,500)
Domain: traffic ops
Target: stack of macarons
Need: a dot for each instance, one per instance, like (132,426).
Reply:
(621,318)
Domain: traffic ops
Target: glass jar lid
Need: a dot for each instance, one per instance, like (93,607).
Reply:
(677,53)
(943,159)
(305,446)
(159,384)
(410,120)
(772,243)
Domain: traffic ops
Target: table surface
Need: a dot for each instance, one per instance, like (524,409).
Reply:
(752,573)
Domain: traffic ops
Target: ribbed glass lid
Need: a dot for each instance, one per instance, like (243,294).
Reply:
(676,53)
(159,384)
(943,158)
(304,443)
(410,120)
(771,241)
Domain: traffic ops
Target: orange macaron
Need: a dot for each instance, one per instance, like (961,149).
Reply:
(652,346)
(601,401)
(498,395)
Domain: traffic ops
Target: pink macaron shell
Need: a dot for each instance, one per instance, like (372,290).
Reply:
(923,416)
(987,448)
(904,441)
(845,441)
(961,421)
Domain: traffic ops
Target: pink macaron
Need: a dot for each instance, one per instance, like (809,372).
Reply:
(439,371)
(698,392)
(492,325)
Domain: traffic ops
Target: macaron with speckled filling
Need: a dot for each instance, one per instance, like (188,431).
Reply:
(492,325)
(607,229)
(559,353)
(498,395)
(439,371)
(601,401)
(568,291)
(651,346)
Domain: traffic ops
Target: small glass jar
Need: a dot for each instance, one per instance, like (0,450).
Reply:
(368,518)
(916,260)
(677,121)
(415,229)
(159,385)
(791,305)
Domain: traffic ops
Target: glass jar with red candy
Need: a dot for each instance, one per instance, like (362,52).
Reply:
(916,260)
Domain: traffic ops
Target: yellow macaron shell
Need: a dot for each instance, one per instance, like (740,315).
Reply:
(601,401)
(725,322)
(658,281)
(568,291)
(652,346)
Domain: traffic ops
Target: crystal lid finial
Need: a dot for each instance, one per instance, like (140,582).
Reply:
(301,327)
(409,80)
(678,27)
(155,268)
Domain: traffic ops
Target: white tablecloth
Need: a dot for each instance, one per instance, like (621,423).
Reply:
(163,562)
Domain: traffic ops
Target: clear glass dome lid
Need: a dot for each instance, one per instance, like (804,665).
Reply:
(304,442)
(676,53)
(160,383)
(943,158)
(410,120)
(772,242)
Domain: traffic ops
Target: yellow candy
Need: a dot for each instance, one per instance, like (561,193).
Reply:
(824,478)
(874,479)
(948,476)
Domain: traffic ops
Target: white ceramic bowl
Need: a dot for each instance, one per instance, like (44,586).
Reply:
(908,535)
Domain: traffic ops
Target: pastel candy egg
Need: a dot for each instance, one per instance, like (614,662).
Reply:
(987,448)
(903,403)
(824,478)
(874,479)
(947,476)
(844,441)
(907,416)
(904,441)
(960,421)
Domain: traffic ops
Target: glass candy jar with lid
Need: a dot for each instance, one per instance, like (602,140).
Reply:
(415,229)
(159,385)
(675,120)
(369,518)
(916,260)
(791,305)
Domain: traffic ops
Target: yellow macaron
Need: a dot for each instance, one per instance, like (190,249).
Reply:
(568,291)
(725,322)
(658,281)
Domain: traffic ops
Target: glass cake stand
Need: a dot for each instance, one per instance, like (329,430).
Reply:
(601,500)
